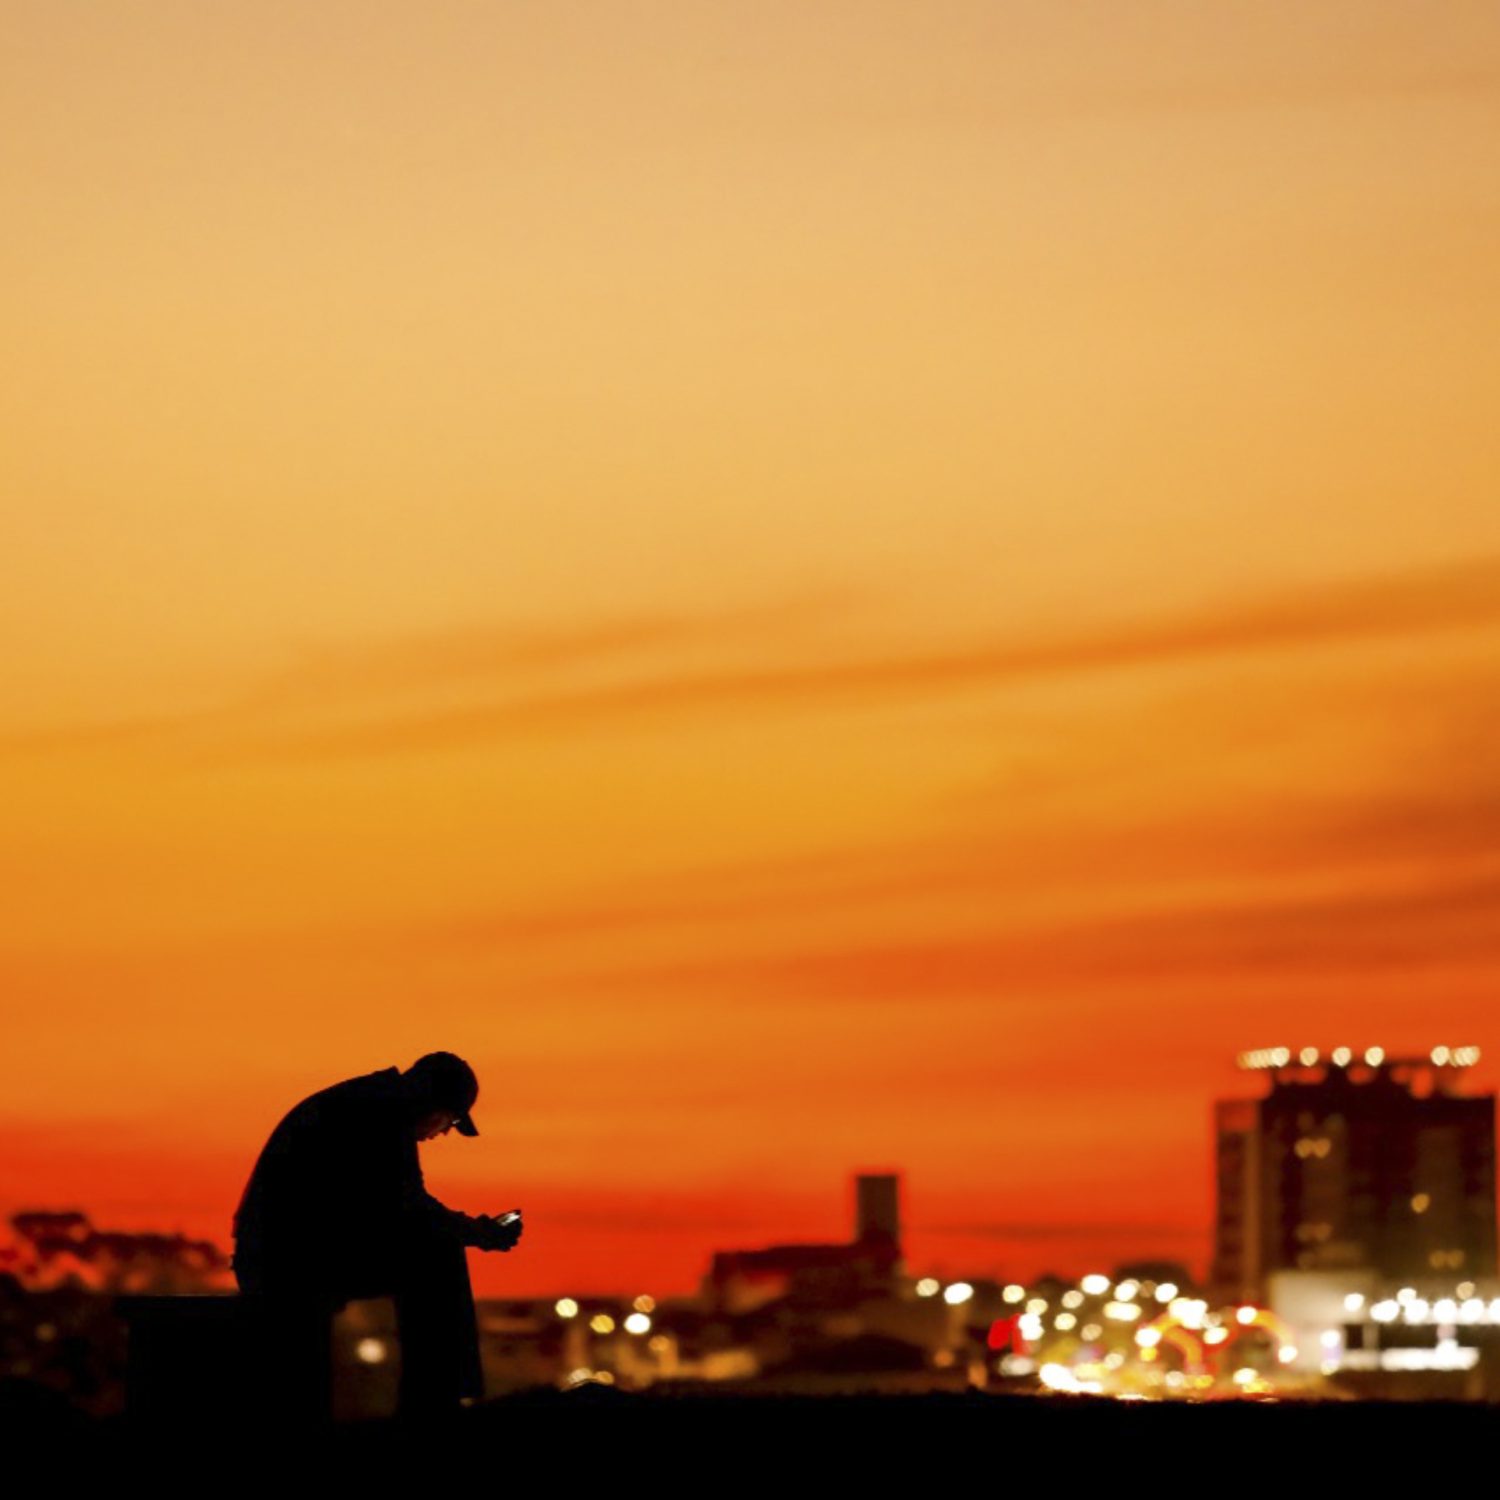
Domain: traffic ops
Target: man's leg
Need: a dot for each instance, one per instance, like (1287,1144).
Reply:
(436,1323)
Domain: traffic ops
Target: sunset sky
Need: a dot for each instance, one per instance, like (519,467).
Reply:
(811,584)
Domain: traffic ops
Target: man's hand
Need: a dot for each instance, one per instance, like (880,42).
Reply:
(493,1235)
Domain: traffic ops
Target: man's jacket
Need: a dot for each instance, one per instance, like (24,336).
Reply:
(335,1193)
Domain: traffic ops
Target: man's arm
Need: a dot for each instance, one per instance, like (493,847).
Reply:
(470,1230)
(479,1231)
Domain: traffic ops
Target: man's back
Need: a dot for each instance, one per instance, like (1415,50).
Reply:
(328,1190)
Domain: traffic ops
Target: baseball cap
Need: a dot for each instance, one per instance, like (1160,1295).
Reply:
(449,1082)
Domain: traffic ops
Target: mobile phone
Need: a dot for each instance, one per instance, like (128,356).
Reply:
(509,1218)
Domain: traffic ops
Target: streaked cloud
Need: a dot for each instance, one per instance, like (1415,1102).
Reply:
(1462,596)
(1448,922)
(317,707)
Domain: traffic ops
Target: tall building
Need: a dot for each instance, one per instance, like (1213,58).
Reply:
(1354,1160)
(878,1207)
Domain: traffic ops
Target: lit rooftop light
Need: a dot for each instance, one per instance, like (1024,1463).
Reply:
(1374,1056)
(1440,1056)
(957,1294)
(1308,1056)
(929,1286)
(1342,1057)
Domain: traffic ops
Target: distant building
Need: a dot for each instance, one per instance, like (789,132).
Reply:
(1354,1161)
(739,1280)
(878,1208)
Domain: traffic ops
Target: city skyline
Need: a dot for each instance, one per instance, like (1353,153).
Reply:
(1434,1080)
(807,587)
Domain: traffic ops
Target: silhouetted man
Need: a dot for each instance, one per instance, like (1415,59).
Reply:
(336,1209)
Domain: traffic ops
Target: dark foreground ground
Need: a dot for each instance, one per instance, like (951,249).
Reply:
(594,1440)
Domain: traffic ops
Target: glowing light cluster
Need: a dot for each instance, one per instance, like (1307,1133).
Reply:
(1061,1378)
(1266,1057)
(1189,1311)
(1447,1356)
(1262,1058)
(1455,1057)
(1175,1347)
(1410,1308)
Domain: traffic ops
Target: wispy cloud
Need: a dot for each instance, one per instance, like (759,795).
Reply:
(1457,597)
(1425,813)
(481,658)
(337,703)
(1449,921)
(487,653)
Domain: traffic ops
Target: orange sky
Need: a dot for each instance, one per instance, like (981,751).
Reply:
(811,587)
